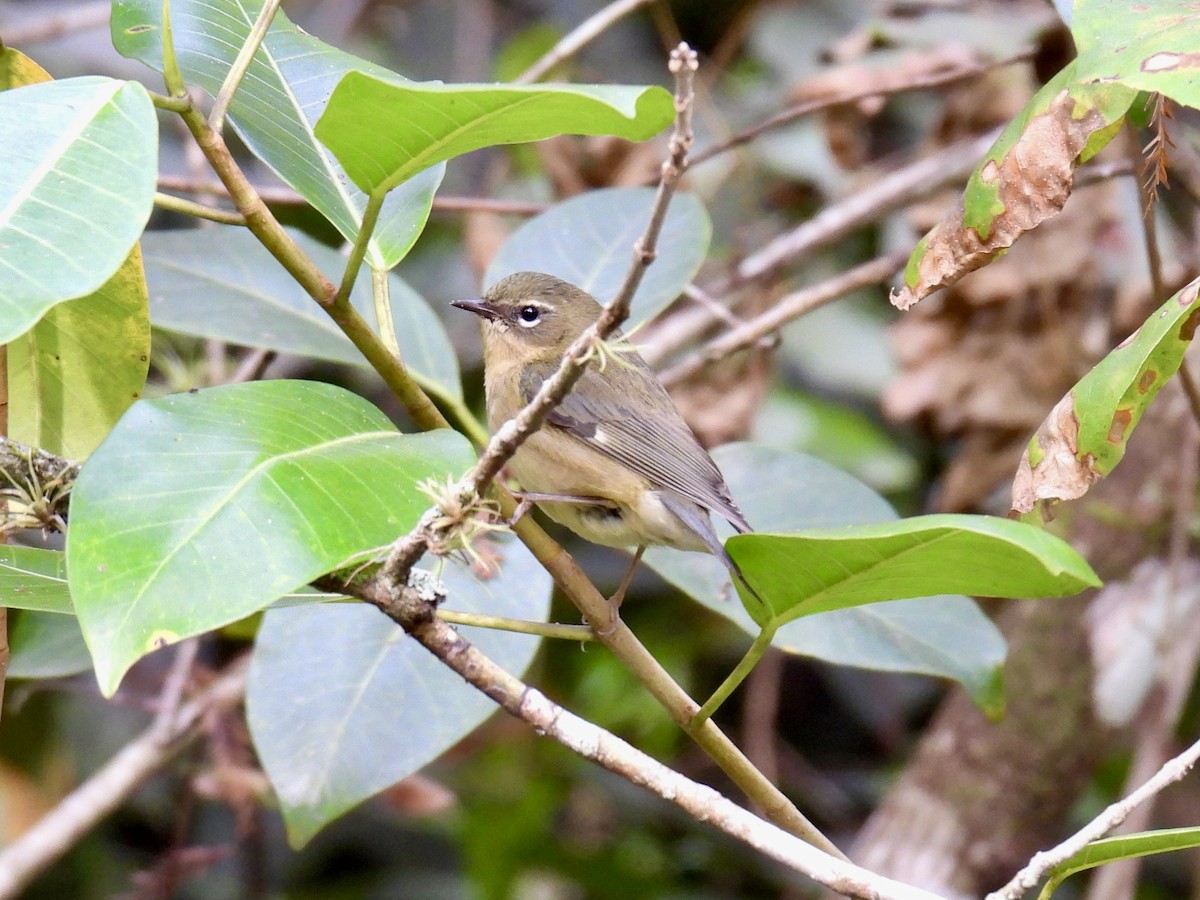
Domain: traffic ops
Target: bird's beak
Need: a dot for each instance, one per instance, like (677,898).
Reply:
(479,307)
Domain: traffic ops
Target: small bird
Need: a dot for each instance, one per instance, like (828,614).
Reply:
(614,462)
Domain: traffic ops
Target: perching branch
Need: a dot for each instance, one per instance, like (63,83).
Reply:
(416,615)
(581,35)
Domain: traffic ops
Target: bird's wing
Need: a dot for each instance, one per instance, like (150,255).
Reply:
(599,411)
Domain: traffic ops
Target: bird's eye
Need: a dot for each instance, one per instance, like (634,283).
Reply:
(529,314)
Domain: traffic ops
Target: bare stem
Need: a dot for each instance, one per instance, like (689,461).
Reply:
(241,64)
(579,37)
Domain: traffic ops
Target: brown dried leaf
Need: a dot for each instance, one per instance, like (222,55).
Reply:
(1032,182)
(1059,473)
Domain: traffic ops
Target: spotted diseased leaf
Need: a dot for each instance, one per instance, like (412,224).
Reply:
(1024,180)
(1086,433)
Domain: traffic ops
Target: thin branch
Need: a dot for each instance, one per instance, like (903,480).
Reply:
(1041,864)
(61,828)
(613,633)
(902,187)
(579,37)
(955,71)
(415,614)
(790,307)
(241,64)
(512,434)
(199,210)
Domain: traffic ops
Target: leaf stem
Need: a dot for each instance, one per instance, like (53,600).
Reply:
(172,76)
(737,676)
(365,228)
(199,210)
(241,65)
(543,629)
(382,295)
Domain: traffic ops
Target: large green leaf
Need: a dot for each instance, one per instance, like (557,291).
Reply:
(277,104)
(32,578)
(378,707)
(77,370)
(588,241)
(836,568)
(384,133)
(779,490)
(221,283)
(204,507)
(1086,433)
(72,375)
(76,190)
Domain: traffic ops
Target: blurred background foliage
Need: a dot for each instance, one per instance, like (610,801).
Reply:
(935,426)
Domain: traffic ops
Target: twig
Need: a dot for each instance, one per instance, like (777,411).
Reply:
(579,37)
(253,366)
(61,828)
(906,185)
(241,64)
(788,308)
(957,72)
(1041,864)
(593,743)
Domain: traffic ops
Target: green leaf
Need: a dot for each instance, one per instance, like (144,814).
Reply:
(947,637)
(18,70)
(204,507)
(1085,435)
(274,109)
(221,283)
(46,646)
(384,133)
(32,578)
(378,707)
(76,371)
(1113,849)
(1151,47)
(76,190)
(837,568)
(588,241)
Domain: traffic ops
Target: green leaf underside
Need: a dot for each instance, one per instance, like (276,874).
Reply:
(379,706)
(384,133)
(825,569)
(202,508)
(1110,400)
(76,190)
(32,578)
(778,490)
(77,370)
(588,240)
(1126,846)
(46,646)
(221,283)
(276,106)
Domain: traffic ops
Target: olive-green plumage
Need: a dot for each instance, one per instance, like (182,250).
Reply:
(617,437)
